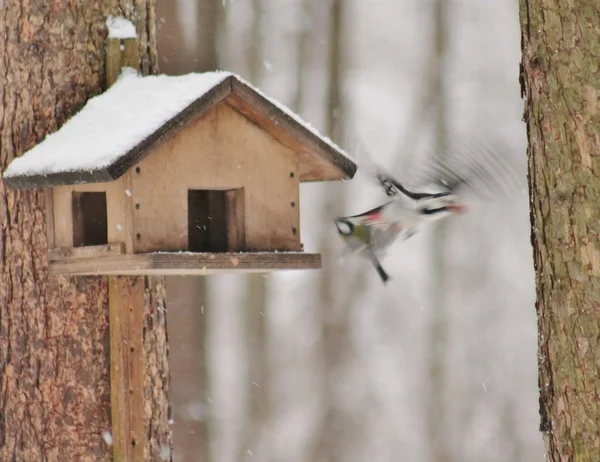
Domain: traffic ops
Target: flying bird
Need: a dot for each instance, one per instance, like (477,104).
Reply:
(408,210)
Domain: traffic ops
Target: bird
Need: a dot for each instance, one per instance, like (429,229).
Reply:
(407,211)
(362,237)
(372,232)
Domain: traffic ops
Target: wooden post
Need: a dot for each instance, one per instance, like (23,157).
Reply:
(126,318)
(126,300)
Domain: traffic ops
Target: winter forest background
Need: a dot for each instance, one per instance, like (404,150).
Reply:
(329,365)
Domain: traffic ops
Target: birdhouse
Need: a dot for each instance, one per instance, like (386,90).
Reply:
(190,174)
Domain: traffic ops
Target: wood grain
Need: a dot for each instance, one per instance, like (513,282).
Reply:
(49,214)
(118,203)
(186,263)
(113,60)
(222,150)
(126,300)
(319,161)
(93,251)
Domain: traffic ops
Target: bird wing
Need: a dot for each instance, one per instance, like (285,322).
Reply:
(475,167)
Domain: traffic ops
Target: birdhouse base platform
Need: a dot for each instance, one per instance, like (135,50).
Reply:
(111,261)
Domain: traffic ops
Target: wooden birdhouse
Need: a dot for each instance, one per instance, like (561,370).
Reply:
(178,175)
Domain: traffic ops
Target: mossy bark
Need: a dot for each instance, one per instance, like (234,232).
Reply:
(561,85)
(54,350)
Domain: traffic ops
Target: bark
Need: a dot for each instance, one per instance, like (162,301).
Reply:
(560,84)
(54,350)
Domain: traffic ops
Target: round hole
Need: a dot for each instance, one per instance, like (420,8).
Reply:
(137,170)
(291,174)
(294,231)
(293,204)
(137,206)
(138,236)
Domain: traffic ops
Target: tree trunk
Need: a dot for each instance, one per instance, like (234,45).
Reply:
(560,84)
(437,340)
(54,342)
(188,296)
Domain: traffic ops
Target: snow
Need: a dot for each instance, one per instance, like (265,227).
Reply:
(112,123)
(120,28)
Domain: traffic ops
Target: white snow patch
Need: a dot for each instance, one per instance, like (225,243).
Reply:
(107,437)
(113,123)
(165,452)
(120,28)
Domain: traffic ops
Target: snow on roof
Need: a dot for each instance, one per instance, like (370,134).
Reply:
(112,123)
(120,28)
(116,121)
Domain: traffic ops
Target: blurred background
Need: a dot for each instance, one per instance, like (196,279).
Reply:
(440,364)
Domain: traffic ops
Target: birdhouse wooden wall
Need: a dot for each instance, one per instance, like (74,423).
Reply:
(84,214)
(221,184)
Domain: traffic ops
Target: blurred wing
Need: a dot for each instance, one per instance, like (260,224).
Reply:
(476,167)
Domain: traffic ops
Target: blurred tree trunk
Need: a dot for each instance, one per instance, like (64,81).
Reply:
(256,332)
(438,323)
(332,433)
(561,86)
(302,54)
(170,38)
(189,308)
(54,343)
(177,53)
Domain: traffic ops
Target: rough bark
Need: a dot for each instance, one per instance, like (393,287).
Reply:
(560,83)
(157,410)
(54,351)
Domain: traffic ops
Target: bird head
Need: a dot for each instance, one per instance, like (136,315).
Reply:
(344,226)
(441,205)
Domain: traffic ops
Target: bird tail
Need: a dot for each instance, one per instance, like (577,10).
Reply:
(382,274)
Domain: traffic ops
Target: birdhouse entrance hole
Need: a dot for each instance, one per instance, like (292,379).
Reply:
(216,220)
(90,223)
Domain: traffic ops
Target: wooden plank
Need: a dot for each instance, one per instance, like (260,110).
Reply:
(235,213)
(118,212)
(113,60)
(319,160)
(49,218)
(126,299)
(187,263)
(56,179)
(131,53)
(63,216)
(222,151)
(170,128)
(93,251)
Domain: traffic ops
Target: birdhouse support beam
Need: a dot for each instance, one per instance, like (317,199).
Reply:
(126,302)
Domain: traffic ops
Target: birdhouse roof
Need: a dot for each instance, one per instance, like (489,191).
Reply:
(118,128)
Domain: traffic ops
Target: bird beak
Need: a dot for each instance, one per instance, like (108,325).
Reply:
(457,208)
